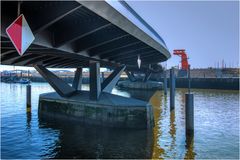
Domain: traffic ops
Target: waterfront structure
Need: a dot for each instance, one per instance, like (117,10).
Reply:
(77,34)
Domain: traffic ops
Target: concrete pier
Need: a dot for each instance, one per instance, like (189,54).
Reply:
(149,85)
(110,110)
(189,114)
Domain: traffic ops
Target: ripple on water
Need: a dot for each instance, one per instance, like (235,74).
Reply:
(216,129)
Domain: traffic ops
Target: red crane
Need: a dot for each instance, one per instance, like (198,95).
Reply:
(184,59)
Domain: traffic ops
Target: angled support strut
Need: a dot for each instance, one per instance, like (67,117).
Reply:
(147,76)
(61,87)
(112,79)
(131,76)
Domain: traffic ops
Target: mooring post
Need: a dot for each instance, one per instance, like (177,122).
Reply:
(189,108)
(189,79)
(189,114)
(28,98)
(165,83)
(172,89)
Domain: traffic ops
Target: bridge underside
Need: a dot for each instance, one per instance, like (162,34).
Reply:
(69,34)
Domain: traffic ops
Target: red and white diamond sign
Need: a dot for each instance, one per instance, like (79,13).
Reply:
(20,34)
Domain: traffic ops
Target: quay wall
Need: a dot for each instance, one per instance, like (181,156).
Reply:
(201,83)
(207,83)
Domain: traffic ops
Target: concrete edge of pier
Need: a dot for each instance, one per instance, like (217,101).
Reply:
(148,85)
(110,110)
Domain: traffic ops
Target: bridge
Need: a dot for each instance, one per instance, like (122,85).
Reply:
(79,34)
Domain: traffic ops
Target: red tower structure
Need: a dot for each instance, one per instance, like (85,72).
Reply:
(184,59)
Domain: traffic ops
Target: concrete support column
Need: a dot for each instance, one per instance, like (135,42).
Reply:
(102,76)
(189,114)
(95,82)
(77,81)
(172,89)
(28,94)
(165,83)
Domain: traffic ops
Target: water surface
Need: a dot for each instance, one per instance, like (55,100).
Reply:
(24,135)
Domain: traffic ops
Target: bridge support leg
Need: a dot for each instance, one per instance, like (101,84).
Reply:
(61,87)
(147,76)
(95,82)
(112,79)
(77,81)
(102,77)
(130,76)
(172,89)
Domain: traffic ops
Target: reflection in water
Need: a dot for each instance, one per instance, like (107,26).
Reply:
(157,110)
(85,141)
(168,137)
(189,148)
(24,135)
(29,118)
(172,132)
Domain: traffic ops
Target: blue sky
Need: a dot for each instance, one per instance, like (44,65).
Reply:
(208,30)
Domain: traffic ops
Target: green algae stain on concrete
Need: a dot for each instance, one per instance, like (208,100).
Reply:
(114,115)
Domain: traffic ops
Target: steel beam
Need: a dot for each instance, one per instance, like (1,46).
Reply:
(37,60)
(78,33)
(63,62)
(112,79)
(112,15)
(61,87)
(9,56)
(125,42)
(112,56)
(47,62)
(61,11)
(121,48)
(76,64)
(95,82)
(59,60)
(77,81)
(145,61)
(25,57)
(135,56)
(101,43)
(7,52)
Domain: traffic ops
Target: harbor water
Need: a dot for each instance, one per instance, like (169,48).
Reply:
(216,135)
